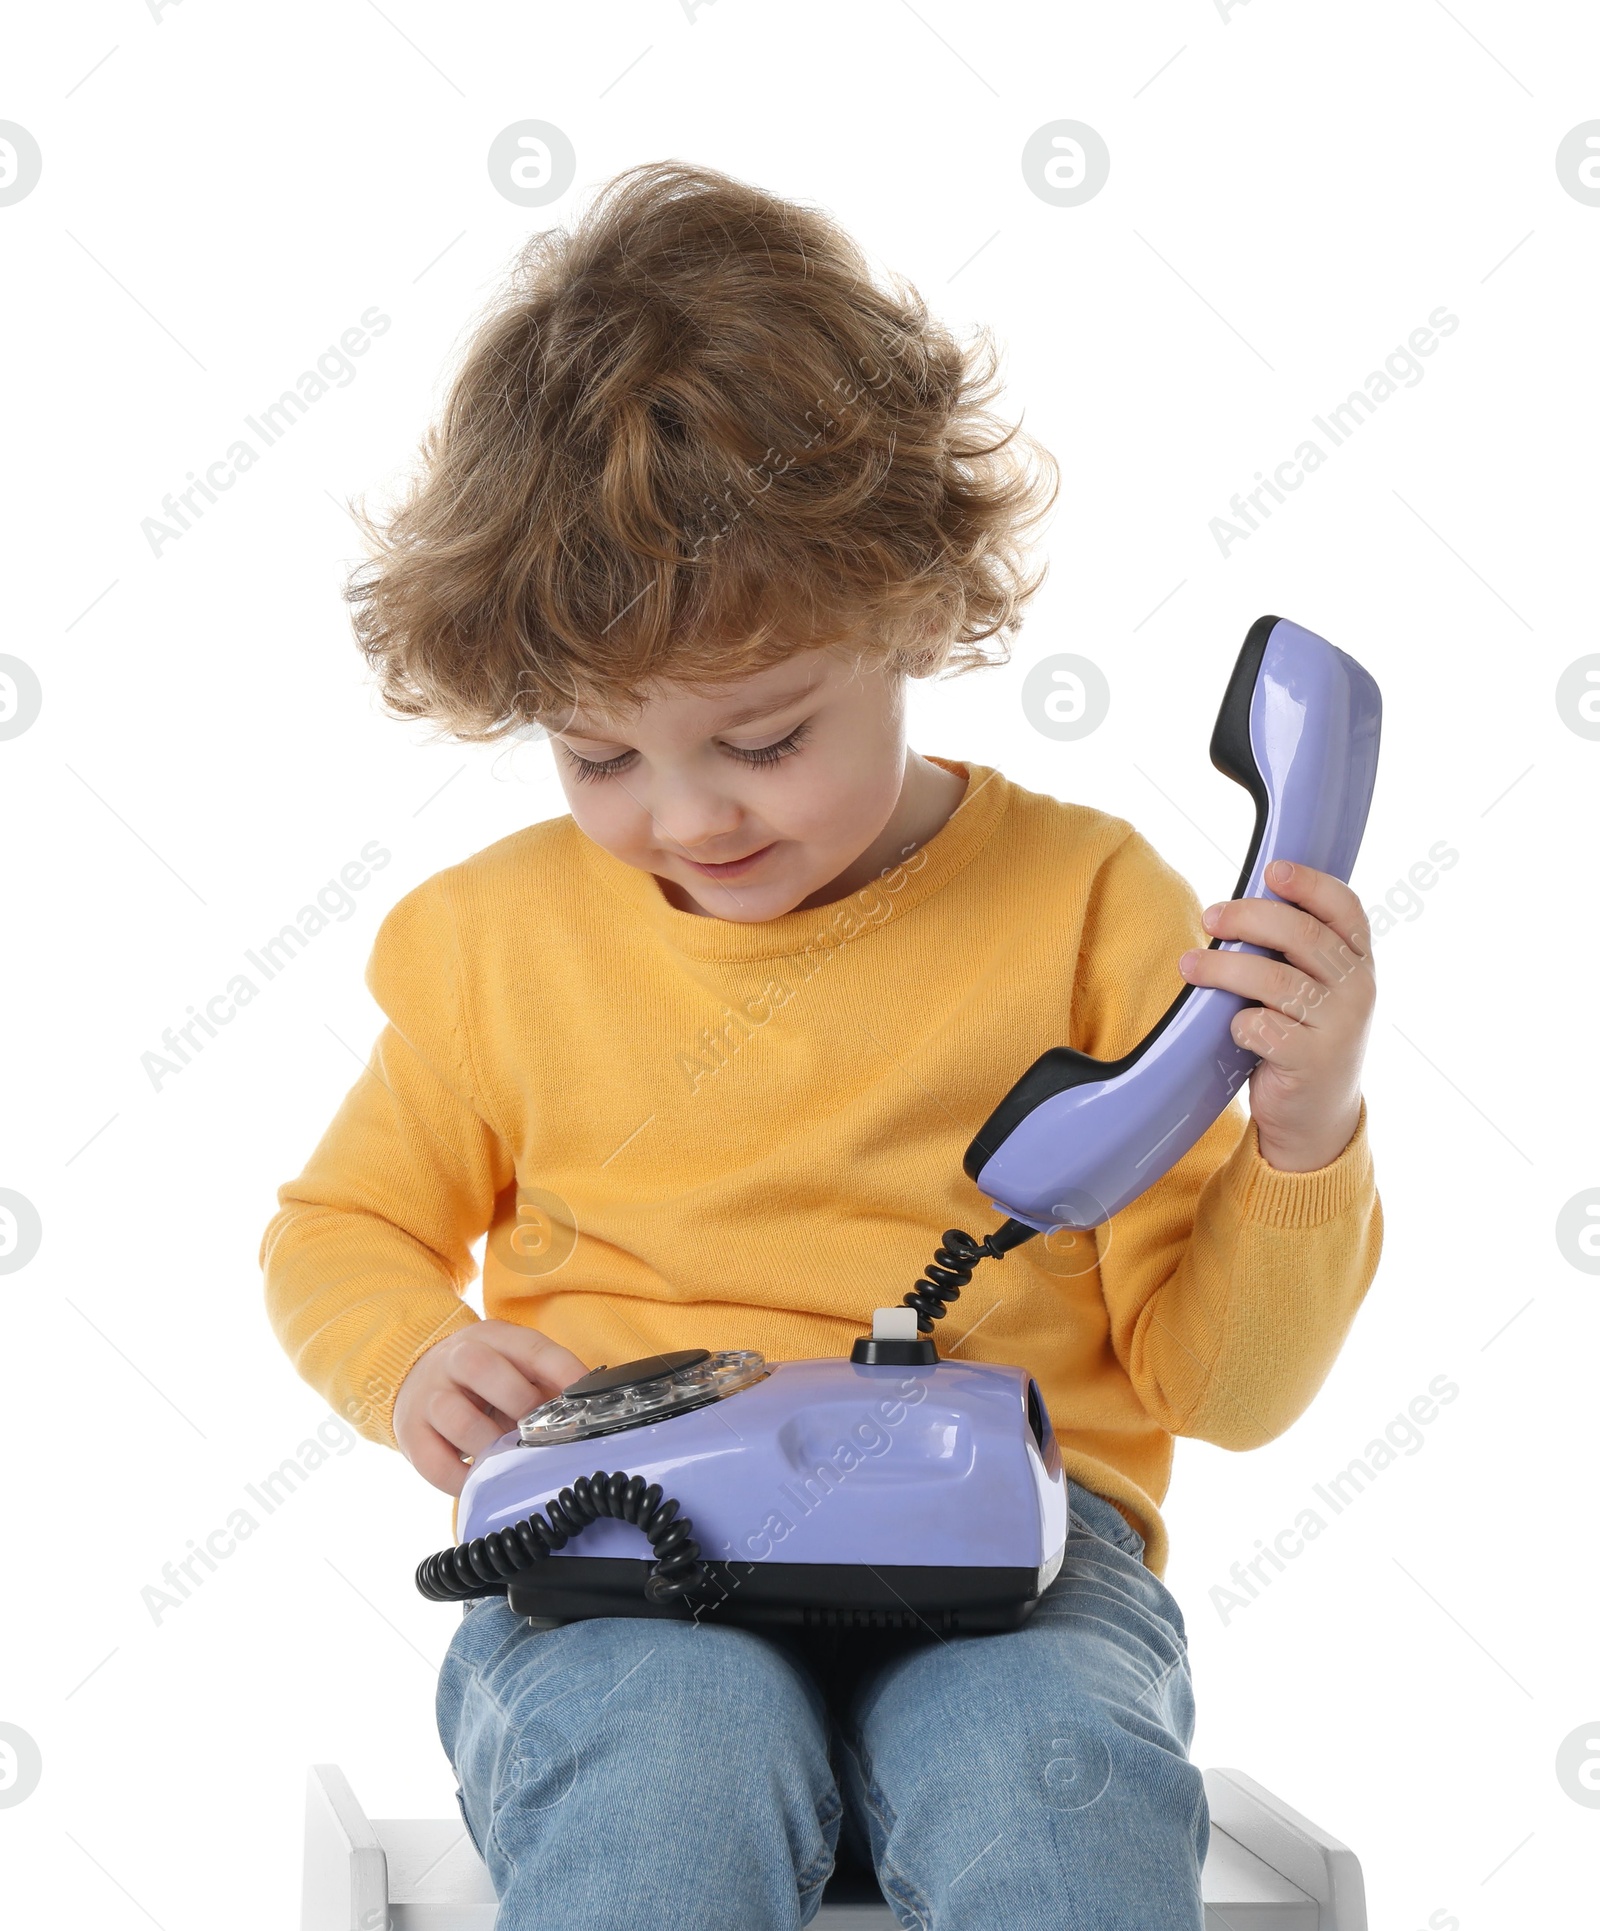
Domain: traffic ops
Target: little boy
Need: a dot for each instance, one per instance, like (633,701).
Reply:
(702,1058)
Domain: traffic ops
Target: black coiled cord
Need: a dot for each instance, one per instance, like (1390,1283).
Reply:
(951,1268)
(485,1566)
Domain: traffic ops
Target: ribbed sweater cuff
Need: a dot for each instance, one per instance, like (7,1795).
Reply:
(399,1354)
(1268,1197)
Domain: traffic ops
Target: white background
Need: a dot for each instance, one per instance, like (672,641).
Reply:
(1293,190)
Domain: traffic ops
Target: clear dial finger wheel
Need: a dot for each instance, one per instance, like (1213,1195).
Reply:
(660,1385)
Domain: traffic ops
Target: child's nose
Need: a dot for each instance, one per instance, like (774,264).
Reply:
(696,819)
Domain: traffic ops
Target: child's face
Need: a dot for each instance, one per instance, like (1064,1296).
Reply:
(789,773)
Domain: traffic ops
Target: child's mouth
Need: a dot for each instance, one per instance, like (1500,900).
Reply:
(734,868)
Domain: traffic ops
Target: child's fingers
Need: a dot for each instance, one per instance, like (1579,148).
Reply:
(1306,943)
(495,1379)
(1317,923)
(1268,981)
(470,1390)
(453,1415)
(437,1461)
(1328,899)
(545,1363)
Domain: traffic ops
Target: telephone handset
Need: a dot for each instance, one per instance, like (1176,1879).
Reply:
(1077,1138)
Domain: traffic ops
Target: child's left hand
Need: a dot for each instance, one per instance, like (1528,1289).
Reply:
(1311,1025)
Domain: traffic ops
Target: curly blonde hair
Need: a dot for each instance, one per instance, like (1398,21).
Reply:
(689,438)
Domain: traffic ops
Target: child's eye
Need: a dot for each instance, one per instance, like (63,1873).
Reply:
(771,753)
(587,768)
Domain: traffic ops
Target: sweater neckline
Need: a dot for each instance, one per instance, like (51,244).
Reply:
(952,847)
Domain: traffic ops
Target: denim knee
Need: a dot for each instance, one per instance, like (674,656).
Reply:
(616,1767)
(1002,1774)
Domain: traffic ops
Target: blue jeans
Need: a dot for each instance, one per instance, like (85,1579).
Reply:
(629,1772)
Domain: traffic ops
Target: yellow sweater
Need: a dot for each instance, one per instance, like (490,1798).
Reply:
(757,1132)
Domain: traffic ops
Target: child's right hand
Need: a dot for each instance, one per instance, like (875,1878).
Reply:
(469,1389)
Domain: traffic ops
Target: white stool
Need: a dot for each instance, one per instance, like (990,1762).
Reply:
(1267,1868)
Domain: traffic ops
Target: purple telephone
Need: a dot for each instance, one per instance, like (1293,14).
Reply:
(894,1489)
